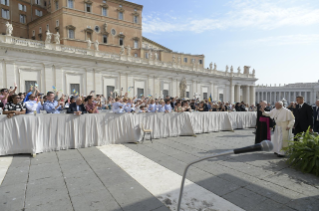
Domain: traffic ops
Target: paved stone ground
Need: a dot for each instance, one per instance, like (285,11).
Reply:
(85,179)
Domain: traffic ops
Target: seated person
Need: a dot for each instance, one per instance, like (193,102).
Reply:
(77,108)
(13,107)
(52,106)
(33,105)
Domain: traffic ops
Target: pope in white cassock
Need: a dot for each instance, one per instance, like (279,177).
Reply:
(285,121)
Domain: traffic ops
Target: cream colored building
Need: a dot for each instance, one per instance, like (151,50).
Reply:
(98,45)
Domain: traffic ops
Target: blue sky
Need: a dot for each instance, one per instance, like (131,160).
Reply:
(278,38)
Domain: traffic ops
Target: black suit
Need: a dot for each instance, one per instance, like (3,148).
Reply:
(73,108)
(303,118)
(316,120)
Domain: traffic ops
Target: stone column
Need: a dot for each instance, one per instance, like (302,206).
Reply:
(2,79)
(48,76)
(59,79)
(211,90)
(216,92)
(252,95)
(90,82)
(237,93)
(98,82)
(247,97)
(10,73)
(232,92)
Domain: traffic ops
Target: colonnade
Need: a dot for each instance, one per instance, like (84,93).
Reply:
(274,96)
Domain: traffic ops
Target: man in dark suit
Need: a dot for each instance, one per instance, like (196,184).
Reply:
(316,117)
(77,108)
(303,116)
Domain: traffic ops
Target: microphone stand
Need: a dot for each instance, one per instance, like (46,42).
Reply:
(186,169)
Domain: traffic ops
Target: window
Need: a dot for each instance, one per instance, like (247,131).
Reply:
(104,1)
(104,39)
(104,11)
(146,55)
(23,19)
(110,89)
(5,14)
(38,13)
(45,3)
(135,55)
(205,95)
(187,94)
(75,88)
(97,29)
(28,85)
(120,5)
(5,2)
(40,30)
(140,92)
(121,41)
(88,7)
(185,60)
(200,61)
(47,27)
(70,4)
(120,15)
(113,32)
(135,19)
(33,33)
(56,5)
(135,44)
(71,33)
(165,93)
(57,24)
(38,2)
(89,36)
(22,7)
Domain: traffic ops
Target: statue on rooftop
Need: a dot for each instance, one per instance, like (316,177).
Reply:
(48,37)
(231,69)
(227,68)
(211,66)
(122,52)
(57,38)
(9,29)
(156,55)
(215,66)
(239,70)
(96,45)
(89,43)
(129,50)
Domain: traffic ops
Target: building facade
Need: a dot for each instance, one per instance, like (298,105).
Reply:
(98,45)
(310,92)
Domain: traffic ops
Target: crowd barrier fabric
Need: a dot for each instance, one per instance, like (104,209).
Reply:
(48,132)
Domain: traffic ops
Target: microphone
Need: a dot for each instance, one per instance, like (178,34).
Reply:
(263,146)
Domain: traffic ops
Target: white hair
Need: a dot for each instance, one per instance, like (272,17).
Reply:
(265,101)
(280,102)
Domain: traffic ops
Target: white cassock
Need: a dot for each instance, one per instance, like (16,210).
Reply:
(283,118)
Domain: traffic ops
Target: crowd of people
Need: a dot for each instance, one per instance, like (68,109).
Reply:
(34,102)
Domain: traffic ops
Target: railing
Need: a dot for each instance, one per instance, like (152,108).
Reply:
(95,53)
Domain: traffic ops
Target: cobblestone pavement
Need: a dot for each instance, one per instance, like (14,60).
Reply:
(86,179)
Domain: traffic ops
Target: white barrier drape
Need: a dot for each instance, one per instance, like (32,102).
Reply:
(42,133)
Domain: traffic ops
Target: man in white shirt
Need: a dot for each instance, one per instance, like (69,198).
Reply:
(33,105)
(316,117)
